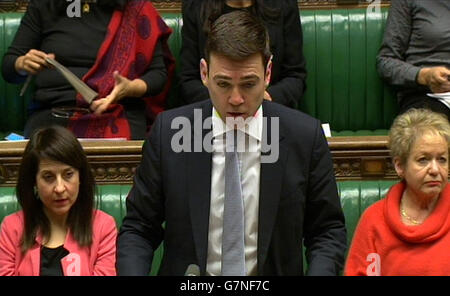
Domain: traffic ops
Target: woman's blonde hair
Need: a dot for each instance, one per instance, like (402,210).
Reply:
(413,124)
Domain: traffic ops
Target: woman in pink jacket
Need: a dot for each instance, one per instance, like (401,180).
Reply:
(58,231)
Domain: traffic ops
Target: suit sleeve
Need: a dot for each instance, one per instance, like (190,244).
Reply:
(391,63)
(290,87)
(325,233)
(142,232)
(191,87)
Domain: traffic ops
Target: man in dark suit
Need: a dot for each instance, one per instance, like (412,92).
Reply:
(286,181)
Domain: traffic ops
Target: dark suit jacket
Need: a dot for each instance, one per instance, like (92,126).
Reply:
(298,201)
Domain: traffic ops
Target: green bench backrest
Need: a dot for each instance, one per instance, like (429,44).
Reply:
(12,107)
(356,196)
(343,87)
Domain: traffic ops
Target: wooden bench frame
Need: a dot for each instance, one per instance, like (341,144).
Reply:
(114,162)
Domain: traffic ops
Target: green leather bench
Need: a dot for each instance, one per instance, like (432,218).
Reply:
(343,87)
(355,196)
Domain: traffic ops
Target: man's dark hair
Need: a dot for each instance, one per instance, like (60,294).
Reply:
(238,35)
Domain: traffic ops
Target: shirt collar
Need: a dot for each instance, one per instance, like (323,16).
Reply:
(253,126)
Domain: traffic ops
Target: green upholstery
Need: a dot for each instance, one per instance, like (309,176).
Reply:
(356,196)
(12,107)
(8,201)
(343,87)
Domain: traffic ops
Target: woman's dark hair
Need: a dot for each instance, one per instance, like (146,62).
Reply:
(59,7)
(210,10)
(58,144)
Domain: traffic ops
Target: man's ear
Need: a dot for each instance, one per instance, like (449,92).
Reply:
(268,72)
(204,71)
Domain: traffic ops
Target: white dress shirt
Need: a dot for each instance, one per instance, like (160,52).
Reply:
(250,167)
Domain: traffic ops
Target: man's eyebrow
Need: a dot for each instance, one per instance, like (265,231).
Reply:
(250,77)
(219,76)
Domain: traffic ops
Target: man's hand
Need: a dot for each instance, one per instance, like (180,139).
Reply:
(123,87)
(33,62)
(436,78)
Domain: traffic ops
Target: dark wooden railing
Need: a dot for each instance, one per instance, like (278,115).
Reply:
(354,158)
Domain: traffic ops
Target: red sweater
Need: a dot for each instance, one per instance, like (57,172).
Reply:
(383,245)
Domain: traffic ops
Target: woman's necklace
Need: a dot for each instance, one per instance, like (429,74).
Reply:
(407,217)
(430,207)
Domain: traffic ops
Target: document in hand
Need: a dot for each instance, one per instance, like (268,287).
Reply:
(443,97)
(86,92)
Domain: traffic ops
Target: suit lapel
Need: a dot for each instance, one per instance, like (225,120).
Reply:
(199,187)
(271,179)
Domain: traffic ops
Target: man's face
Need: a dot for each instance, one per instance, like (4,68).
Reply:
(236,87)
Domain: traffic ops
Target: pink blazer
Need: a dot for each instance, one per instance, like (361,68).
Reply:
(98,259)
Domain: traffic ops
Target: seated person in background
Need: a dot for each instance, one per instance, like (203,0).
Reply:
(415,54)
(282,20)
(408,232)
(247,210)
(127,67)
(58,231)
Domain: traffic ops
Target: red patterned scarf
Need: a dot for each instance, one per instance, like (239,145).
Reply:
(128,48)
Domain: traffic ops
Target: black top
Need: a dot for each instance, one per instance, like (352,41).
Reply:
(75,43)
(51,261)
(286,43)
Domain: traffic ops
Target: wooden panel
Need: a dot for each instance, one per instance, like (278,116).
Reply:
(114,162)
(361,158)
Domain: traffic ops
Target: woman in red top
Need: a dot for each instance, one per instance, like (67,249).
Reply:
(58,231)
(117,47)
(407,233)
